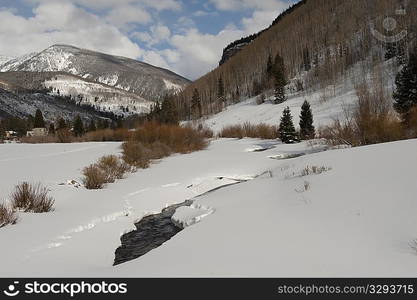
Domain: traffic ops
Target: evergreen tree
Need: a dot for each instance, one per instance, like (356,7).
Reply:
(196,109)
(405,95)
(78,126)
(169,113)
(307,130)
(279,93)
(61,124)
(287,131)
(278,72)
(92,126)
(51,130)
(38,121)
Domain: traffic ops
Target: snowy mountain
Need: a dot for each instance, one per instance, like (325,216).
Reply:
(80,91)
(13,63)
(142,79)
(4,59)
(24,105)
(108,83)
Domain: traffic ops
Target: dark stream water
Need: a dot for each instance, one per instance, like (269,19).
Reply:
(151,232)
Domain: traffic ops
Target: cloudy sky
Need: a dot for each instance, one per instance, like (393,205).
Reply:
(185,36)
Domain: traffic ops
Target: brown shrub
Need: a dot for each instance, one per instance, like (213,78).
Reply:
(64,135)
(370,121)
(411,124)
(107,135)
(113,167)
(7,215)
(135,154)
(261,131)
(205,131)
(39,139)
(94,177)
(232,131)
(31,198)
(179,139)
(159,150)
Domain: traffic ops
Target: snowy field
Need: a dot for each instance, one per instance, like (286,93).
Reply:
(356,218)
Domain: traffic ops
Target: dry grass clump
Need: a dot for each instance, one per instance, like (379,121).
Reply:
(94,177)
(7,215)
(106,135)
(29,197)
(155,141)
(113,167)
(178,139)
(261,131)
(136,154)
(64,135)
(106,170)
(39,139)
(314,170)
(371,121)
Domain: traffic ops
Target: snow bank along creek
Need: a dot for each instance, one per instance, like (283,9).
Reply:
(154,230)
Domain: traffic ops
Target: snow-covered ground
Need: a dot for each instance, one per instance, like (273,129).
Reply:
(357,218)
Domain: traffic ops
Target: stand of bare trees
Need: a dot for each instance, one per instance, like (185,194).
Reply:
(323,37)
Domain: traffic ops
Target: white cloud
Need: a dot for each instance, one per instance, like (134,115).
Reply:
(112,4)
(65,23)
(235,5)
(111,26)
(158,33)
(126,14)
(198,53)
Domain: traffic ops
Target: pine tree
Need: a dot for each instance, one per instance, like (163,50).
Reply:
(169,113)
(92,126)
(196,109)
(307,130)
(278,72)
(78,126)
(51,130)
(405,95)
(61,124)
(279,93)
(38,121)
(287,131)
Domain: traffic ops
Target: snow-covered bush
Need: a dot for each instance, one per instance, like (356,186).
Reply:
(29,197)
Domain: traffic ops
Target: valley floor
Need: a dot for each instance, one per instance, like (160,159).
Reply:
(358,217)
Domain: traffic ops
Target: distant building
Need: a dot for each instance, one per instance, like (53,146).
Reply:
(37,132)
(10,134)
